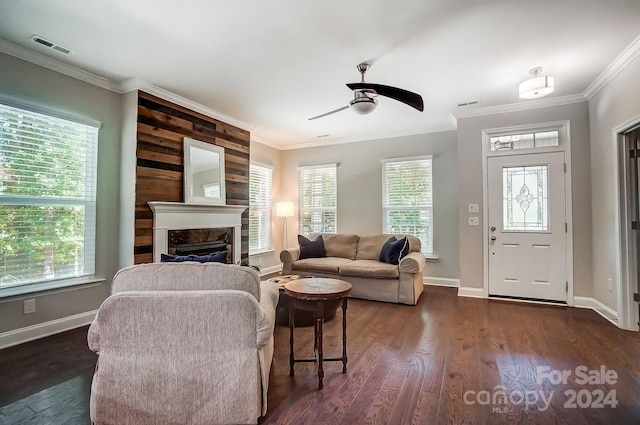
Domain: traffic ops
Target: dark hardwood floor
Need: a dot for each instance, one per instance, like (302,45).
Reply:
(449,360)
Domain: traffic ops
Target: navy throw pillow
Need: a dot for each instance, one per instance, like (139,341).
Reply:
(311,249)
(218,257)
(394,250)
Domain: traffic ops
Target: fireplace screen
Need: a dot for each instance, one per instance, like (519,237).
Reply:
(201,242)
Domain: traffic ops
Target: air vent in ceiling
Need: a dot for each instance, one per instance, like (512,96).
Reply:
(51,45)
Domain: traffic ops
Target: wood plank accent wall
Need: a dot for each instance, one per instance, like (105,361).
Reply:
(162,125)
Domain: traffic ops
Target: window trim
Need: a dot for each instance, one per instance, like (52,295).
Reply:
(269,209)
(64,282)
(301,209)
(430,254)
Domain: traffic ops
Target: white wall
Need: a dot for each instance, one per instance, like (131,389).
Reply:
(359,176)
(470,166)
(616,104)
(25,82)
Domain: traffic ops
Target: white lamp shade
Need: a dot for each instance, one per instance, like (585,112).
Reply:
(284,209)
(536,87)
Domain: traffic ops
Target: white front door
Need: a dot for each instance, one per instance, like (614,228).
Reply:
(527,229)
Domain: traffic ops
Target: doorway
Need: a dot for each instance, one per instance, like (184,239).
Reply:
(527,229)
(629,183)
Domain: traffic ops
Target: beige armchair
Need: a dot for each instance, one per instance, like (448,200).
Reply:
(183,343)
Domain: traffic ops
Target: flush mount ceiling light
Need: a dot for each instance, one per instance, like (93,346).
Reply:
(536,87)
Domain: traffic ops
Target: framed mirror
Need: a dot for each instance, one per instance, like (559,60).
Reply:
(204,173)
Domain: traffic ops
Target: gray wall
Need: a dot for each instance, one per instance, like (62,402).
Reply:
(261,154)
(359,175)
(23,81)
(615,105)
(470,166)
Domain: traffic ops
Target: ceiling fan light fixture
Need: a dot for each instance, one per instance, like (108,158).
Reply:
(364,105)
(536,87)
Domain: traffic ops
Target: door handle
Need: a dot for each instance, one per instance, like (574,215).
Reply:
(493,238)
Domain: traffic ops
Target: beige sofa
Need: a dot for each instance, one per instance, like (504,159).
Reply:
(355,259)
(183,343)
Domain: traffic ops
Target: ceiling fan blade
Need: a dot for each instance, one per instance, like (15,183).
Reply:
(412,99)
(329,113)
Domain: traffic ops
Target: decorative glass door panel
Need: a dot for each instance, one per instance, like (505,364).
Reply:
(525,198)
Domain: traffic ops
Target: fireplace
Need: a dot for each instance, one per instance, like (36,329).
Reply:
(201,242)
(183,229)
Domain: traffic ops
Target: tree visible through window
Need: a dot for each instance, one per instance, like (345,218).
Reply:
(407,199)
(259,208)
(317,195)
(47,197)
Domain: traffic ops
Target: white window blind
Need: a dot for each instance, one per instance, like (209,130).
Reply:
(47,198)
(259,208)
(317,196)
(408,199)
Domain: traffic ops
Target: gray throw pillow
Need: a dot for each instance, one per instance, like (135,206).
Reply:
(311,248)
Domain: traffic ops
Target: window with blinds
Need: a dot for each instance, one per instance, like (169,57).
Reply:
(47,198)
(259,208)
(317,197)
(408,199)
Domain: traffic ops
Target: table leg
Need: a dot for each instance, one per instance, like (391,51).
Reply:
(291,358)
(344,336)
(320,355)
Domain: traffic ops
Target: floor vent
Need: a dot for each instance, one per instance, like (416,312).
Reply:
(51,45)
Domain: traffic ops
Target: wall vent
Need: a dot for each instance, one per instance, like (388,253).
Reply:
(469,103)
(51,45)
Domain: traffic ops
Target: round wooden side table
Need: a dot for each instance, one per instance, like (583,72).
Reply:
(320,296)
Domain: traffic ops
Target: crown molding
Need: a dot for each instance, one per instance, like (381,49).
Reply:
(618,64)
(105,83)
(138,84)
(263,141)
(56,65)
(521,106)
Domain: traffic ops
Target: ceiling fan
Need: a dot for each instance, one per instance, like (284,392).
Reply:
(364,96)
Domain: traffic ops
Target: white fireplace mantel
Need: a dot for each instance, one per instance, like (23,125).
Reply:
(177,216)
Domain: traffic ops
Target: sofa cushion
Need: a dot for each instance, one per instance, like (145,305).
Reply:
(340,245)
(393,250)
(369,268)
(370,246)
(311,248)
(320,265)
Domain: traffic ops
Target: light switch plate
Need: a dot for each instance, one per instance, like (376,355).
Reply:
(29,306)
(474,221)
(474,208)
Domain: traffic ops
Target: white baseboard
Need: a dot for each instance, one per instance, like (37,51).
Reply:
(41,330)
(271,269)
(606,312)
(465,291)
(441,281)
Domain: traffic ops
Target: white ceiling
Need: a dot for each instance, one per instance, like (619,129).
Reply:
(273,64)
